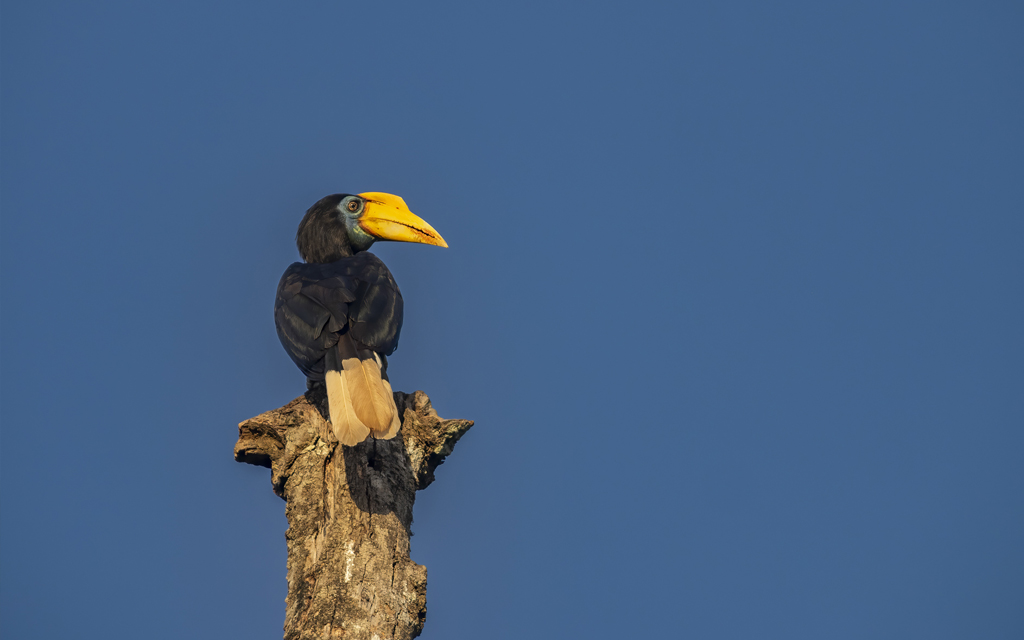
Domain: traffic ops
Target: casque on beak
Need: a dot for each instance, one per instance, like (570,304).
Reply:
(386,217)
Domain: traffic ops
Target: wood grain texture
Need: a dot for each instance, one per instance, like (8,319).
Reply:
(349,515)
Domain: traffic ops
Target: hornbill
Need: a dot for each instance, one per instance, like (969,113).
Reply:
(339,313)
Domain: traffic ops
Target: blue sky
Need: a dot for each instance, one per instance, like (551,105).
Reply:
(734,294)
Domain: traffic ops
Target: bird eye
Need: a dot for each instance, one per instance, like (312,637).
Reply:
(352,206)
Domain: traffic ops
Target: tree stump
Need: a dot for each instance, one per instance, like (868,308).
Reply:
(349,515)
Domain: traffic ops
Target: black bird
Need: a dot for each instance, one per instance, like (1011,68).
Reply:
(339,313)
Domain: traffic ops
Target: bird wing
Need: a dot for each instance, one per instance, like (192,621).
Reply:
(375,316)
(317,303)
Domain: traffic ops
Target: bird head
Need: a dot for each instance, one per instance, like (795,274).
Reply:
(342,224)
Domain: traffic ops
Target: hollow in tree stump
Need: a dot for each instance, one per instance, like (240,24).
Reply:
(349,515)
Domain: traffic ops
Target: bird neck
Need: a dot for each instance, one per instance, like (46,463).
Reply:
(325,247)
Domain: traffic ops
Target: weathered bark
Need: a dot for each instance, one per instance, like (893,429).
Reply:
(349,515)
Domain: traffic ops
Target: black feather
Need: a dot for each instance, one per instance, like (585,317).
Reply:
(316,303)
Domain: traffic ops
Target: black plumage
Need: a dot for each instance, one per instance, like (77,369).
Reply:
(318,303)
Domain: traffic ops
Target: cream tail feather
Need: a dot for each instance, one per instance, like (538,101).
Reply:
(360,399)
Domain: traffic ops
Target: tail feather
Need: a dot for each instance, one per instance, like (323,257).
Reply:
(348,428)
(360,399)
(396,420)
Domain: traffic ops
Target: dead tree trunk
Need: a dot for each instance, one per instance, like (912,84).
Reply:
(349,515)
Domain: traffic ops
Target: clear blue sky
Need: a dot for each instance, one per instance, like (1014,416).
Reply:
(735,294)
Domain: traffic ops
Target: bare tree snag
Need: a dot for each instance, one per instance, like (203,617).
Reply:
(349,515)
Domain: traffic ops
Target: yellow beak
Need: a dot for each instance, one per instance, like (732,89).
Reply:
(387,217)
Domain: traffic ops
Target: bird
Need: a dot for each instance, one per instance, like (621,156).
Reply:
(339,312)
